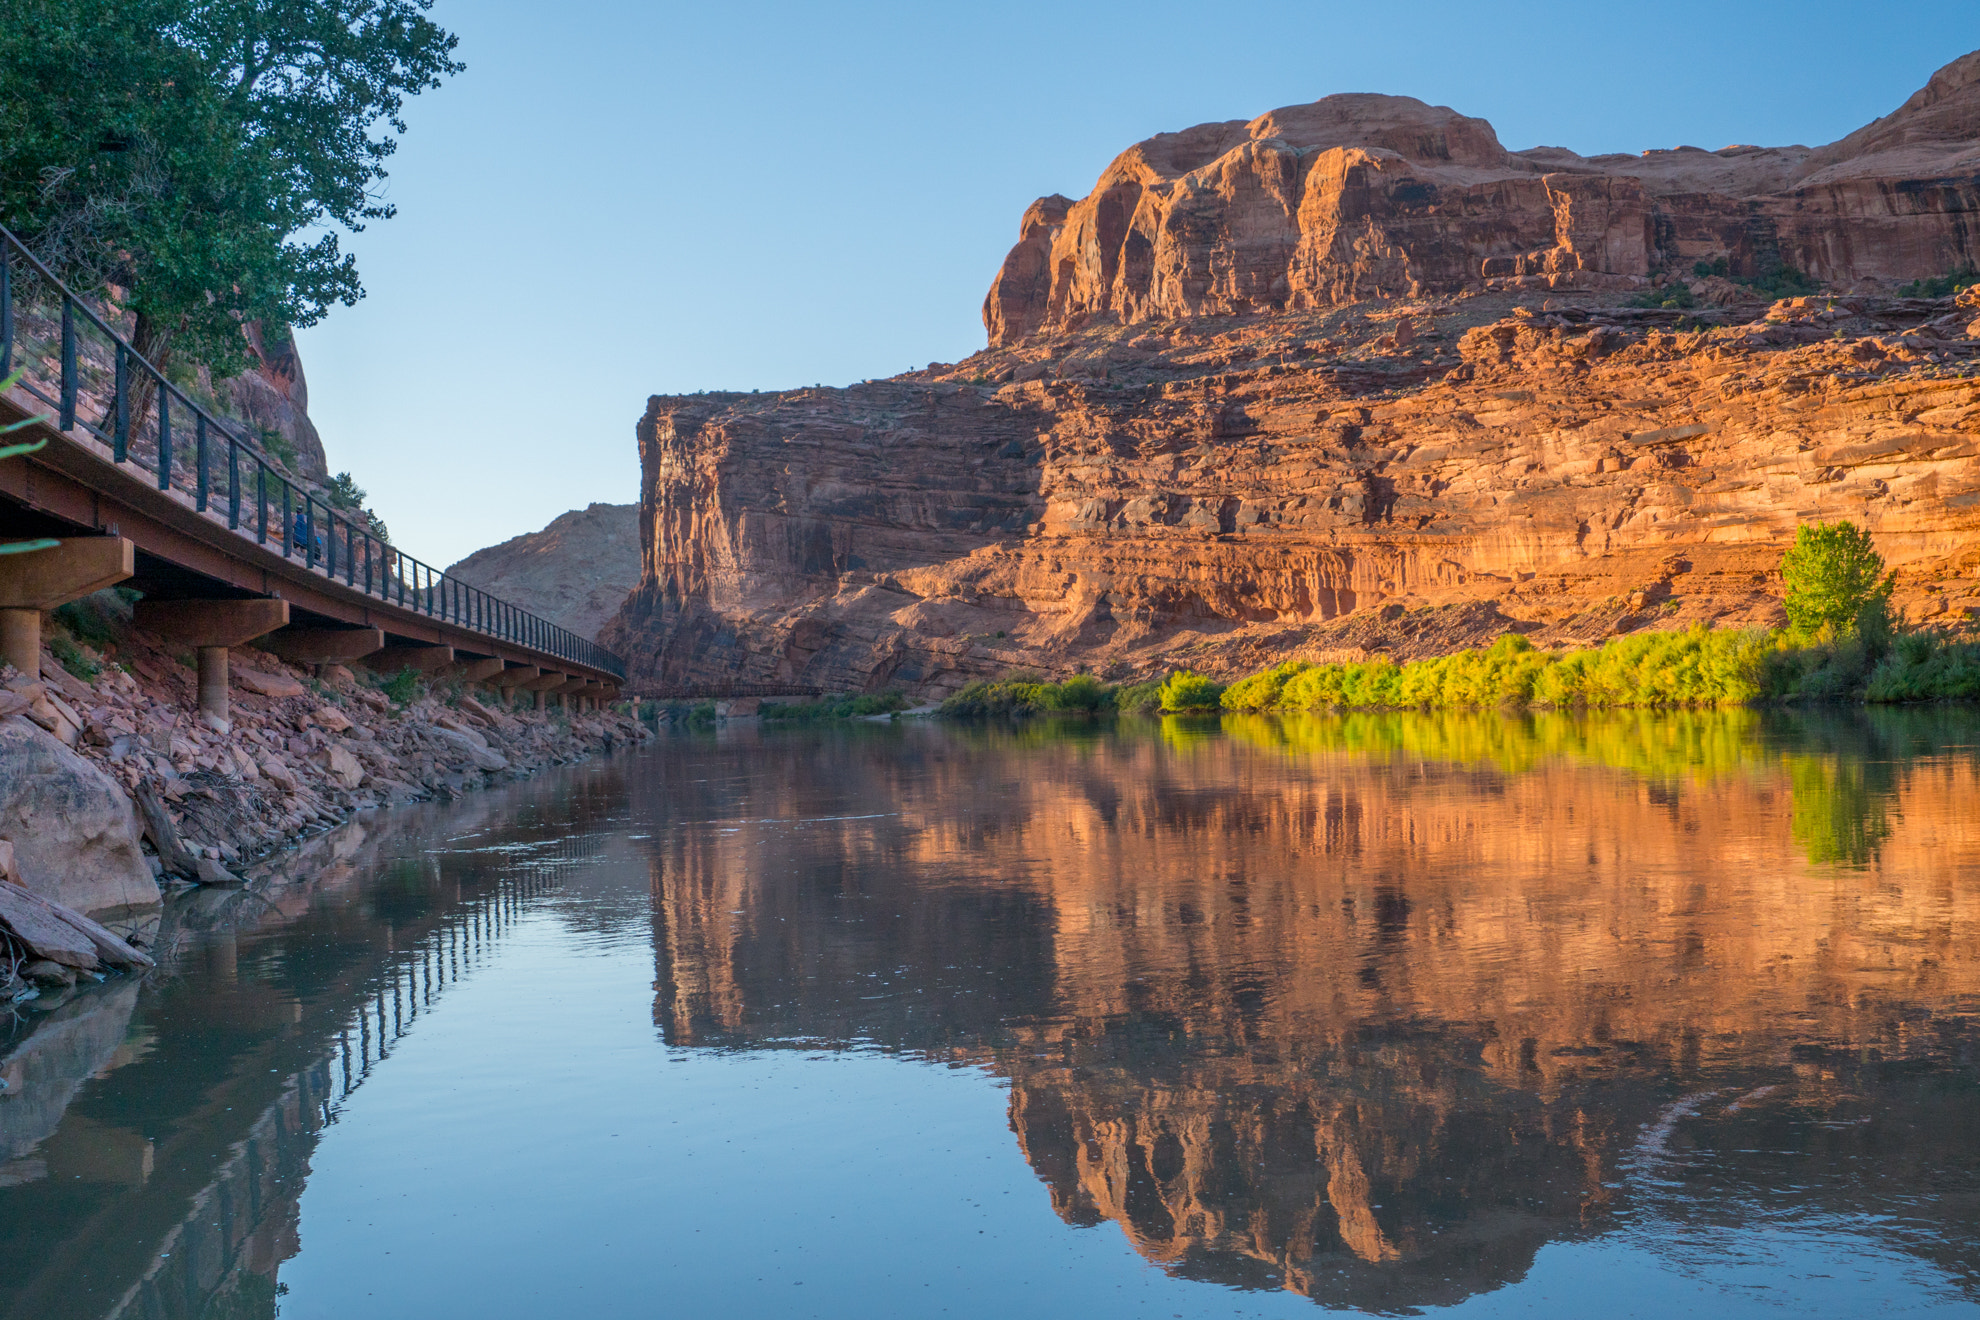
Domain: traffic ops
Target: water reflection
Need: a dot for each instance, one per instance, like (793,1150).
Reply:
(157,1138)
(1371,1008)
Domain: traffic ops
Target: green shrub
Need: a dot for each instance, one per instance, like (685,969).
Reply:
(1700,666)
(1784,282)
(1675,294)
(1262,691)
(95,620)
(837,708)
(403,688)
(1945,286)
(1139,698)
(1082,692)
(1185,690)
(72,659)
(1835,582)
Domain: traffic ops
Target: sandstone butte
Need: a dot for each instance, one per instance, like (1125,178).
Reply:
(1353,378)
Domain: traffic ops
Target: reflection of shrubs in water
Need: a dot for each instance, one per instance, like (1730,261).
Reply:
(863,706)
(1838,766)
(1839,814)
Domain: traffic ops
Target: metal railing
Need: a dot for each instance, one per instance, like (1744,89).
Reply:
(227,478)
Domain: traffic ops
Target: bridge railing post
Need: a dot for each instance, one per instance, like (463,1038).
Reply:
(164,436)
(199,447)
(68,422)
(6,311)
(120,443)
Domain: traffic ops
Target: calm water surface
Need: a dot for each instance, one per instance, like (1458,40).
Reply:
(1636,1016)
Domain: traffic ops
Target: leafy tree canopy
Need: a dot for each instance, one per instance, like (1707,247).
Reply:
(195,153)
(1832,574)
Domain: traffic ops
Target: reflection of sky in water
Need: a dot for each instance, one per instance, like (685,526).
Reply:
(537,1152)
(1627,1018)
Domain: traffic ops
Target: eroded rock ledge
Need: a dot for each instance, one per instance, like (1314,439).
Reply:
(1185,445)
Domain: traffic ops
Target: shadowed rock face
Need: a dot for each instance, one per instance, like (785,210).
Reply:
(1184,447)
(1373,1010)
(576,572)
(1363,196)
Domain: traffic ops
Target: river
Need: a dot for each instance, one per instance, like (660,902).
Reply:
(1629,1015)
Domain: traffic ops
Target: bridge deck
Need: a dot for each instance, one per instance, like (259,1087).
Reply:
(208,515)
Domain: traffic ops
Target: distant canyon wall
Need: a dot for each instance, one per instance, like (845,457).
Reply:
(576,572)
(1363,196)
(1141,474)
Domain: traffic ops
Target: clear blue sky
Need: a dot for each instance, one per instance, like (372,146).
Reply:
(619,199)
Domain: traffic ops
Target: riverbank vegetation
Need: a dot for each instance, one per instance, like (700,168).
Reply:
(1842,643)
(865,705)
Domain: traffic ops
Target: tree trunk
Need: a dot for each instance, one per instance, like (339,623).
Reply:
(153,343)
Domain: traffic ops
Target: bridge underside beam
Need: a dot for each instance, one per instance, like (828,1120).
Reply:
(43,579)
(476,671)
(324,646)
(419,659)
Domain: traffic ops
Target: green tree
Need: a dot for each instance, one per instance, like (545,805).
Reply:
(345,494)
(1186,691)
(1834,579)
(189,156)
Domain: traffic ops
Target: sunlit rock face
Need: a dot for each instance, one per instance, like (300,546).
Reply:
(1373,1009)
(1262,396)
(1362,196)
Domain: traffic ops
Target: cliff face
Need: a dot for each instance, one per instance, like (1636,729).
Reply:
(1364,196)
(1175,471)
(576,572)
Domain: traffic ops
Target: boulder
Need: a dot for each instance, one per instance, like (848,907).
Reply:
(347,769)
(74,832)
(267,685)
(477,750)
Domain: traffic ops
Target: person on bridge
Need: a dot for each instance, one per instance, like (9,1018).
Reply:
(301,533)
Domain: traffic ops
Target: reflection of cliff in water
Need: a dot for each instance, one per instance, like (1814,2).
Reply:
(1306,1007)
(157,1166)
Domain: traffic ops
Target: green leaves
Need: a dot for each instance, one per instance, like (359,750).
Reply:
(1834,580)
(174,150)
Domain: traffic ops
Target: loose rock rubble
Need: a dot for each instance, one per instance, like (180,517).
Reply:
(302,749)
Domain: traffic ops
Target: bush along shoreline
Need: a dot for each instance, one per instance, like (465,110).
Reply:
(1841,644)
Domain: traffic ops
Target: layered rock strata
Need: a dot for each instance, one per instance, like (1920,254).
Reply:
(1186,444)
(1362,196)
(1230,490)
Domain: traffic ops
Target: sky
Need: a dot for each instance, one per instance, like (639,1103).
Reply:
(618,199)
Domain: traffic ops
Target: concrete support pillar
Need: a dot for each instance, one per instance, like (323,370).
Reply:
(211,627)
(213,671)
(20,640)
(42,579)
(539,699)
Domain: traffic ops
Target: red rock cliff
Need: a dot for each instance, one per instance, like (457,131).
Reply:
(1161,459)
(1362,196)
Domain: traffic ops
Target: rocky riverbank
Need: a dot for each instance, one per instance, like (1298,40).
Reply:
(111,784)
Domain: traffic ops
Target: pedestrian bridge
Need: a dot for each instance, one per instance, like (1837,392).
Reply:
(140,484)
